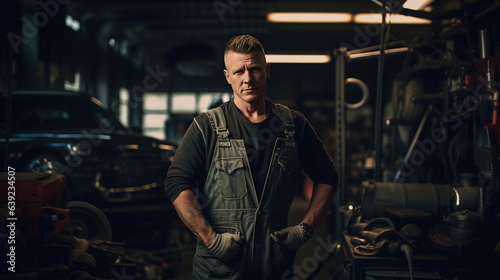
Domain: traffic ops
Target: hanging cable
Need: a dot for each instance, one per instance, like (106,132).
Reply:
(406,249)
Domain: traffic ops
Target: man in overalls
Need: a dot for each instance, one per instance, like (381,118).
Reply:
(234,175)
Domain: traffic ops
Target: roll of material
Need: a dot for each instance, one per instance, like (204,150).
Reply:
(433,198)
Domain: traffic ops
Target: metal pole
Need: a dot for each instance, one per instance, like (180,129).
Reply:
(378,102)
(340,150)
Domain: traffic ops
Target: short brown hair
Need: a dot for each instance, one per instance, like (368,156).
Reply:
(243,44)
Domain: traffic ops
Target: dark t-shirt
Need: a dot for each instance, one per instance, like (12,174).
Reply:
(194,155)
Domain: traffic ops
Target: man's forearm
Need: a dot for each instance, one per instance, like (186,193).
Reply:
(189,210)
(321,201)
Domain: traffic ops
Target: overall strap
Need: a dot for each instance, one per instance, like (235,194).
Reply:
(287,120)
(218,123)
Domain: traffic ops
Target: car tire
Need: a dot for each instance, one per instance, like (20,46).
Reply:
(88,222)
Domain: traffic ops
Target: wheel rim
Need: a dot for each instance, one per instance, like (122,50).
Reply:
(88,222)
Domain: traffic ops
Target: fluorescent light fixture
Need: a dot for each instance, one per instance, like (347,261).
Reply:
(297,58)
(416,4)
(310,17)
(355,55)
(393,19)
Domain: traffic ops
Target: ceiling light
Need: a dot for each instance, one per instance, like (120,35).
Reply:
(393,19)
(297,58)
(310,17)
(355,54)
(416,4)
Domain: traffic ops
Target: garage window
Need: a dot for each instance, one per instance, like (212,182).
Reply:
(124,106)
(167,115)
(155,114)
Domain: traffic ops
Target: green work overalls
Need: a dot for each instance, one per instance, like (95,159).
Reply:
(232,204)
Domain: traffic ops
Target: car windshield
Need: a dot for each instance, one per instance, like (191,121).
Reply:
(56,113)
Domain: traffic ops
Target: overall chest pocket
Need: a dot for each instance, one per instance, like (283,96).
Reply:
(231,177)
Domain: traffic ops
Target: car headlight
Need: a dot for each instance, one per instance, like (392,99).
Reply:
(73,149)
(82,148)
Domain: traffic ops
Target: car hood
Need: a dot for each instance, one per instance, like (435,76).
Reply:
(119,137)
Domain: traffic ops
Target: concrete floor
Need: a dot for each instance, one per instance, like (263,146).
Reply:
(308,257)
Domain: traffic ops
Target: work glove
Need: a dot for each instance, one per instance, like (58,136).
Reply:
(291,237)
(226,246)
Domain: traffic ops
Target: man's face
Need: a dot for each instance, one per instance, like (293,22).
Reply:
(247,73)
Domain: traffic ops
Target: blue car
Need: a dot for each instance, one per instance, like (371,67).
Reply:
(73,134)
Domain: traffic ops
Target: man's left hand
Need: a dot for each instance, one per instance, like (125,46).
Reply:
(291,237)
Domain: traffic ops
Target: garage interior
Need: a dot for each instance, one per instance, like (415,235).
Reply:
(404,97)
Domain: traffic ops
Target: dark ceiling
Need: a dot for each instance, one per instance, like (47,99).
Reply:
(173,32)
(152,29)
